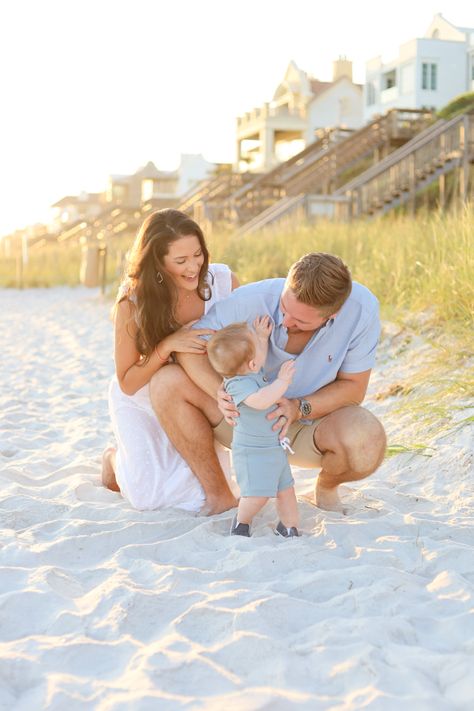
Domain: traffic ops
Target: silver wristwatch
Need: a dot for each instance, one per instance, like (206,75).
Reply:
(304,408)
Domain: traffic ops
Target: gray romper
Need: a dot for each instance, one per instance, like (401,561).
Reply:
(260,462)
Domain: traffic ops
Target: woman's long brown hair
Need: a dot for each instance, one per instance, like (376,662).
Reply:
(156,297)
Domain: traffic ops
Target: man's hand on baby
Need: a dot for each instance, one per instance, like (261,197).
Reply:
(226,406)
(263,327)
(287,371)
(284,414)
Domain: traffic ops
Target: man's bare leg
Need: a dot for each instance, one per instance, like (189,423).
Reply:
(187,414)
(352,442)
(108,469)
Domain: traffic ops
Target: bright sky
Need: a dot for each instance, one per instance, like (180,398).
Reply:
(93,87)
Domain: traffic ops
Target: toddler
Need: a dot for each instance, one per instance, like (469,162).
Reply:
(261,465)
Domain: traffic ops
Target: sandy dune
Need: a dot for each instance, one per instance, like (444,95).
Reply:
(103,607)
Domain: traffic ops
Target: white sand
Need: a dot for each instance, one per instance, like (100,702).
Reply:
(103,607)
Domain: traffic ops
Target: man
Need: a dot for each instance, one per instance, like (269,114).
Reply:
(331,326)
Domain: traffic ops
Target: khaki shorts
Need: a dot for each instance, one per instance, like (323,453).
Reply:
(301,440)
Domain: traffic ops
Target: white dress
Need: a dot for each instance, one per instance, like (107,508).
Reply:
(149,471)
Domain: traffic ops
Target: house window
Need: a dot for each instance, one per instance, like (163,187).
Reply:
(390,79)
(429,76)
(148,189)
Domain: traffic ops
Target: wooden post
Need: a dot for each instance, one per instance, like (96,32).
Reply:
(412,183)
(19,271)
(102,267)
(442,191)
(464,166)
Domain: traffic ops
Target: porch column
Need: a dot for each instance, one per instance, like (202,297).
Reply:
(238,153)
(266,136)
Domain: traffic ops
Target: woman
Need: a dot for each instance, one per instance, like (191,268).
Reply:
(169,285)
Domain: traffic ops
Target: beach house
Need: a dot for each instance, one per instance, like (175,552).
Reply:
(428,72)
(301,106)
(73,208)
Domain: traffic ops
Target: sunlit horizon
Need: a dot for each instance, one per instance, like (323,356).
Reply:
(94,89)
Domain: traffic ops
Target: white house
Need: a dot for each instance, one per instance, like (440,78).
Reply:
(73,208)
(191,170)
(429,71)
(146,184)
(301,106)
(159,188)
(162,187)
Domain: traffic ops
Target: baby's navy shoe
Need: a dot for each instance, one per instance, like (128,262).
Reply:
(282,530)
(239,529)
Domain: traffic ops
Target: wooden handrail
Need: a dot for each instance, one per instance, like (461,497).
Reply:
(416,142)
(277,210)
(418,163)
(320,163)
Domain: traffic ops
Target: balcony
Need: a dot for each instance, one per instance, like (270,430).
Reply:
(389,95)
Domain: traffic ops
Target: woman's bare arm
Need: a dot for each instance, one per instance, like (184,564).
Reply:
(131,373)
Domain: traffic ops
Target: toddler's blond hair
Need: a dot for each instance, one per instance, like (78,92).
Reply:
(230,349)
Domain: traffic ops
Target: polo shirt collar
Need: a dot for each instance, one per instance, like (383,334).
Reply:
(279,318)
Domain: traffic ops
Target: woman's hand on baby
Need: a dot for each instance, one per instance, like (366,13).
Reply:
(185,340)
(226,406)
(287,371)
(263,327)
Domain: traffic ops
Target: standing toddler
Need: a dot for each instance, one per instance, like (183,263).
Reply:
(238,353)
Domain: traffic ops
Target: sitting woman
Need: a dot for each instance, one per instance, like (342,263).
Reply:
(169,284)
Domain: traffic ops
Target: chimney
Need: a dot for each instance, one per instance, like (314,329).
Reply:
(342,67)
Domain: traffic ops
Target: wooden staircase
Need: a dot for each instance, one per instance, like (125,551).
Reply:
(327,163)
(112,221)
(207,200)
(429,156)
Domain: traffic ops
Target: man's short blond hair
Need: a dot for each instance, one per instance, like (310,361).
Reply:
(230,349)
(320,280)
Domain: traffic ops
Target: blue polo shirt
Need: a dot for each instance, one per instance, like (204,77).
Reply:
(346,343)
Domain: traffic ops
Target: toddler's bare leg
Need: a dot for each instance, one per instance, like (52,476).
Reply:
(287,507)
(249,506)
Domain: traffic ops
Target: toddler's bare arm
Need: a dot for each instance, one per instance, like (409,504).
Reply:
(270,394)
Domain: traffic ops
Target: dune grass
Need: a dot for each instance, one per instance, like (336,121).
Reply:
(56,265)
(421,269)
(434,396)
(412,265)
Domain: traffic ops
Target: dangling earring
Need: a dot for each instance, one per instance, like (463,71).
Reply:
(159,277)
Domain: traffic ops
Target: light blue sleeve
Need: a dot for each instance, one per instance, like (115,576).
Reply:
(360,355)
(221,314)
(241,388)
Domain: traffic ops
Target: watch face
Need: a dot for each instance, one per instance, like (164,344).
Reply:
(305,408)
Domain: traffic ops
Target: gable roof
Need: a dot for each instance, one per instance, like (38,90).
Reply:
(319,87)
(68,200)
